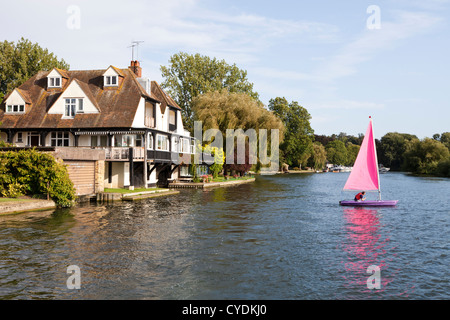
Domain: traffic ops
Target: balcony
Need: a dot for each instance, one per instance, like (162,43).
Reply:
(123,153)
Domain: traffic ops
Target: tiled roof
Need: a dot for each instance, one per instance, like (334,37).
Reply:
(162,96)
(117,106)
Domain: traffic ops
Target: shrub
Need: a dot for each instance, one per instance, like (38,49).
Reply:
(32,172)
(13,190)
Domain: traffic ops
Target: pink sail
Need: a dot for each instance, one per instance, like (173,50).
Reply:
(364,175)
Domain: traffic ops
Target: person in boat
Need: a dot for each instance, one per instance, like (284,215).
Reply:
(360,196)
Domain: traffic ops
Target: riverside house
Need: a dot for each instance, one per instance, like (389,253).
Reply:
(137,127)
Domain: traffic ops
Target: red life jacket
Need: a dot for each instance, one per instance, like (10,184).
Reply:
(359,196)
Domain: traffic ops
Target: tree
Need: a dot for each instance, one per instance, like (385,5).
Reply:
(189,76)
(20,61)
(337,153)
(392,147)
(352,153)
(224,110)
(424,156)
(297,146)
(227,110)
(319,156)
(445,139)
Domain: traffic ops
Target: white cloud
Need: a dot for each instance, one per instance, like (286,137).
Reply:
(371,42)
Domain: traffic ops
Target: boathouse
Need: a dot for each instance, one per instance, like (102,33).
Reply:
(135,124)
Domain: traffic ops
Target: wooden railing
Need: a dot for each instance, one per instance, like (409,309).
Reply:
(123,153)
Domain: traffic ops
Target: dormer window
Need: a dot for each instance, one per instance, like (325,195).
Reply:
(112,77)
(111,81)
(15,108)
(54,82)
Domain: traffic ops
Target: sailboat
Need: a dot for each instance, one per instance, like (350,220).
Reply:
(365,174)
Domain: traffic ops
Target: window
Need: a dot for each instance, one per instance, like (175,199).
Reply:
(110,80)
(172,117)
(80,106)
(123,140)
(70,108)
(184,145)
(16,108)
(150,141)
(138,141)
(99,141)
(174,144)
(59,139)
(162,143)
(73,106)
(19,137)
(184,171)
(54,82)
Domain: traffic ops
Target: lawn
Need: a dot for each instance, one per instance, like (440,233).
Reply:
(230,178)
(121,190)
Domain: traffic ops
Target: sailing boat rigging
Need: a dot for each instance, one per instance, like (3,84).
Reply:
(365,174)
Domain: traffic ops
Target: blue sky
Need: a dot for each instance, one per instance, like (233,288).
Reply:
(319,53)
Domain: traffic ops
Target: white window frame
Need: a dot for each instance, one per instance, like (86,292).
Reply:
(80,105)
(109,81)
(150,141)
(52,82)
(59,136)
(70,108)
(185,145)
(19,138)
(174,118)
(76,105)
(15,108)
(163,138)
(175,144)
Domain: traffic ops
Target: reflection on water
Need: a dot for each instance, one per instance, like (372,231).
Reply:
(365,247)
(282,237)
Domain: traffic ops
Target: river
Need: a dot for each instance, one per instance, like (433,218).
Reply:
(281,237)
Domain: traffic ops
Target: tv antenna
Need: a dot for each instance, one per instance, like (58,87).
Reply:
(134,44)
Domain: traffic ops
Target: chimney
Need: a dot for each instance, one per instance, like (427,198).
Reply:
(136,68)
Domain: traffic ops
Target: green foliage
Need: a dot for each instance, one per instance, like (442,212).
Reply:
(352,153)
(227,110)
(20,61)
(392,147)
(337,152)
(445,139)
(219,158)
(297,145)
(32,172)
(12,190)
(189,76)
(318,157)
(426,156)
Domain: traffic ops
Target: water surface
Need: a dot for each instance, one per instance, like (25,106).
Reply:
(281,237)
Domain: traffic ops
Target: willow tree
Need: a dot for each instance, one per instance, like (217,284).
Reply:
(189,76)
(20,61)
(224,110)
(318,156)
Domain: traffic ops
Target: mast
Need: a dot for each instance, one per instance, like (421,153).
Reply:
(376,159)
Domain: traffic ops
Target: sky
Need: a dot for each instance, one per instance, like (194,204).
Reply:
(342,60)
